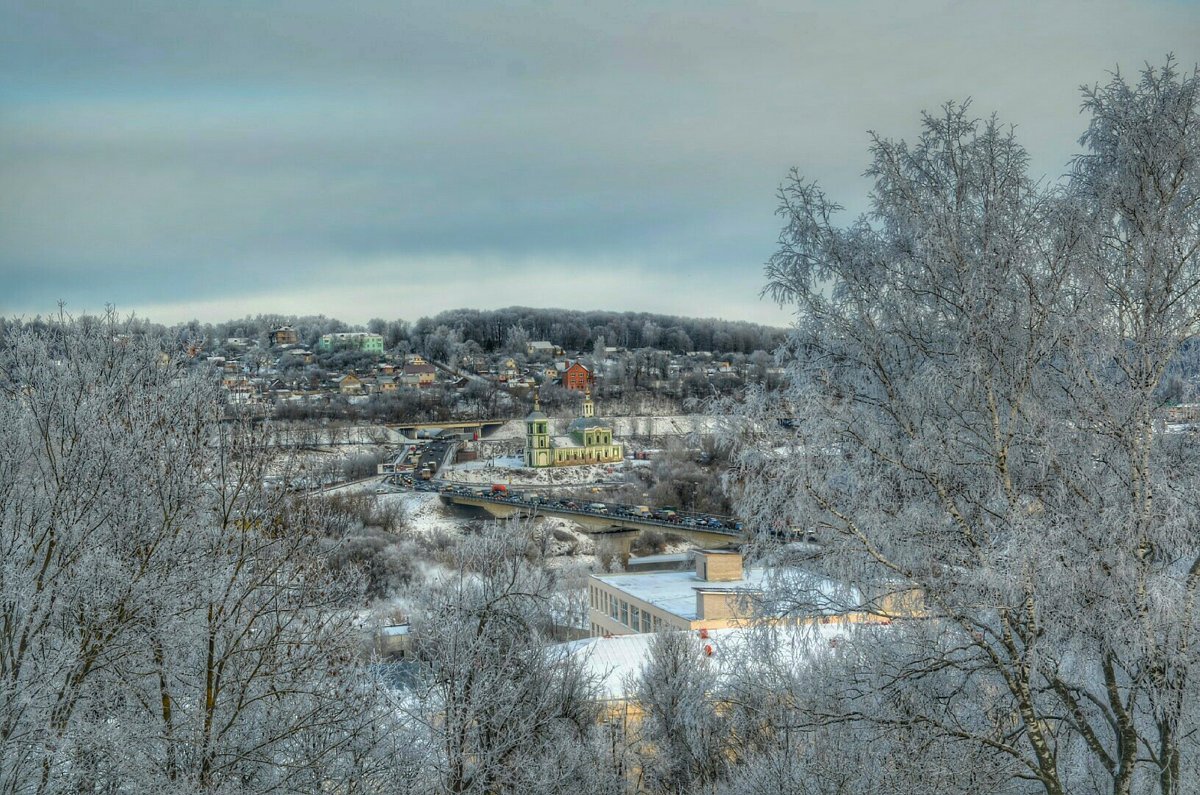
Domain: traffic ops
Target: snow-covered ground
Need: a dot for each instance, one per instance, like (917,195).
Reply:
(306,435)
(505,461)
(626,427)
(320,464)
(372,485)
(510,472)
(426,514)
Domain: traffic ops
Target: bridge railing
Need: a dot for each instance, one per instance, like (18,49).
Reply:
(619,517)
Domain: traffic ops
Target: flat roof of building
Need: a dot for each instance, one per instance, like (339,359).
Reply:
(675,557)
(675,591)
(616,662)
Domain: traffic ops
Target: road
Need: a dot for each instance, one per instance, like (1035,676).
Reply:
(436,454)
(666,518)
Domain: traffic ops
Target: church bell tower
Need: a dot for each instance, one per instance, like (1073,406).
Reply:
(537,436)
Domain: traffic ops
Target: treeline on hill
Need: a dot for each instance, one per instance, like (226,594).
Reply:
(581,330)
(495,330)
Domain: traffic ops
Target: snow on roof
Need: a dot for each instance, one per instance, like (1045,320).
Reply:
(676,557)
(616,662)
(394,630)
(675,591)
(583,423)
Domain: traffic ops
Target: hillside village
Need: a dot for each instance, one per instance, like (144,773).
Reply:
(353,373)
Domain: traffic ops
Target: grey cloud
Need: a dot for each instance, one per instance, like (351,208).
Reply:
(231,142)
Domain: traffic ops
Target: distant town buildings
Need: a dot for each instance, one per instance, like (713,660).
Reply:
(286,372)
(418,375)
(284,335)
(577,377)
(361,340)
(350,384)
(301,355)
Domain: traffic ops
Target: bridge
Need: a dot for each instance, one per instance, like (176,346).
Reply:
(482,427)
(620,522)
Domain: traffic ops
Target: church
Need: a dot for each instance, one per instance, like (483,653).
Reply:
(589,439)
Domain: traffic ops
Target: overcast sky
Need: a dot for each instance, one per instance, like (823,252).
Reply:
(394,159)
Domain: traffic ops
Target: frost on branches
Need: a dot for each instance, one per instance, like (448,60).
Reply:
(974,376)
(165,625)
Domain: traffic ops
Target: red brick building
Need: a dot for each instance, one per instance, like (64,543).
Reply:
(577,377)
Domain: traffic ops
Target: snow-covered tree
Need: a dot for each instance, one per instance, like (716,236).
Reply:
(166,624)
(682,737)
(972,383)
(501,711)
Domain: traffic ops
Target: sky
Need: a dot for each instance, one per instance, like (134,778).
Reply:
(384,158)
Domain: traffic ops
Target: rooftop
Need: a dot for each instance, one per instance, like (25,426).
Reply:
(653,560)
(675,591)
(616,662)
(584,423)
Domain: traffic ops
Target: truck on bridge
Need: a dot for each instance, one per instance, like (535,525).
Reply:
(668,518)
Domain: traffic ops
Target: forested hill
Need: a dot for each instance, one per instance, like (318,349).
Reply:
(497,329)
(580,330)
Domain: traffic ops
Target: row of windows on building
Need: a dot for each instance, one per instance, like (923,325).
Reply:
(587,455)
(623,613)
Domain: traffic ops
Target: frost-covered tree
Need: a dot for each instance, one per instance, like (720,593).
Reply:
(683,739)
(788,716)
(972,383)
(500,710)
(516,340)
(166,624)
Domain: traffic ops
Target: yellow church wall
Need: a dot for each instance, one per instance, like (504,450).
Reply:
(576,456)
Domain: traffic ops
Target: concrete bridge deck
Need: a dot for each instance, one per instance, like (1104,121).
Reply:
(594,522)
(483,426)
